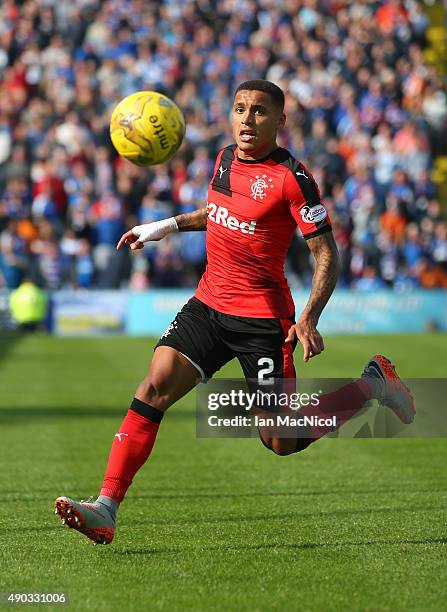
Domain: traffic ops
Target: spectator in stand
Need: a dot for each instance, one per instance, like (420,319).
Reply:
(401,188)
(16,199)
(106,219)
(84,265)
(393,220)
(430,276)
(192,192)
(370,280)
(368,112)
(153,209)
(412,248)
(13,255)
(439,245)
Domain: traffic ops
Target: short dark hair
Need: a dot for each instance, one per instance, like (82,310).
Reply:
(268,87)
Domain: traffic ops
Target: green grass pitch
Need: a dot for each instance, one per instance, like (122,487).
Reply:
(215,524)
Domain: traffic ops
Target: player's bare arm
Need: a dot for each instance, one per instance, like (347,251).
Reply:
(327,267)
(188,222)
(192,222)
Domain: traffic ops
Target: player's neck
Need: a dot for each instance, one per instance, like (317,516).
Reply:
(256,155)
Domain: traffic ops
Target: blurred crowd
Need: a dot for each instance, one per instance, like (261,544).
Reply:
(365,113)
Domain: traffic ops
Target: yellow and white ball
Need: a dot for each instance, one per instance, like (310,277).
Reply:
(147,128)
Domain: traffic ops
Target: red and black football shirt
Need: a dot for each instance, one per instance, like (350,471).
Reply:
(254,208)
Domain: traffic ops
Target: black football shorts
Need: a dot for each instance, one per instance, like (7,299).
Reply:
(209,339)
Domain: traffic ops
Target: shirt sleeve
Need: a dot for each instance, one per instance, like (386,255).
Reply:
(302,193)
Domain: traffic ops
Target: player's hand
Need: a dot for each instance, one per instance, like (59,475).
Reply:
(138,235)
(131,240)
(305,330)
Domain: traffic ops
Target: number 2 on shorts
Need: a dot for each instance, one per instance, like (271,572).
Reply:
(268,362)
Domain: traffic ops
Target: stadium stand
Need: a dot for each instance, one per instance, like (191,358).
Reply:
(366,108)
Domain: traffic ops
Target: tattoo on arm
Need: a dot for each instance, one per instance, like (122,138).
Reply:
(327,269)
(192,222)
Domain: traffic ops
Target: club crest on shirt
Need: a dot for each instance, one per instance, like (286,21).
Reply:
(260,186)
(313,214)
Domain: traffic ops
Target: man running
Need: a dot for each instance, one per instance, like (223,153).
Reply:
(259,194)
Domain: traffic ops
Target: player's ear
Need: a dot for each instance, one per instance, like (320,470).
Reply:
(282,121)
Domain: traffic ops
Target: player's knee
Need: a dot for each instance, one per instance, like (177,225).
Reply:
(155,391)
(286,446)
(283,447)
(278,446)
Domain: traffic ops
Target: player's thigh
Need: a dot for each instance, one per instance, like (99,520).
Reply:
(171,376)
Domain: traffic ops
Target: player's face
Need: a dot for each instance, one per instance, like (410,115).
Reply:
(255,122)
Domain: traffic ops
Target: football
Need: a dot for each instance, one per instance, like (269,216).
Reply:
(147,128)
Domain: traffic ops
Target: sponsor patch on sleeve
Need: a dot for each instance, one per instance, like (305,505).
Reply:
(313,214)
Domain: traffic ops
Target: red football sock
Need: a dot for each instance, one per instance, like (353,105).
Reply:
(342,404)
(130,450)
